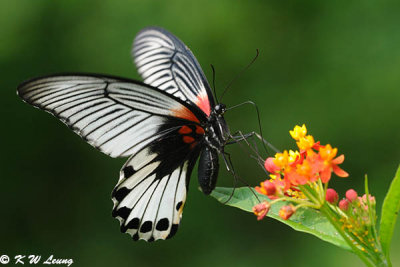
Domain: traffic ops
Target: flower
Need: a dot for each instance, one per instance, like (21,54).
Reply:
(351,195)
(344,204)
(364,202)
(261,210)
(270,165)
(331,196)
(300,179)
(306,143)
(307,168)
(287,211)
(327,154)
(266,188)
(298,132)
(282,160)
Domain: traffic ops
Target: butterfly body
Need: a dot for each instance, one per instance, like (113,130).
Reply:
(217,134)
(163,125)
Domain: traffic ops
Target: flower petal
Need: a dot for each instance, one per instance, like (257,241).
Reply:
(325,175)
(270,166)
(338,160)
(339,172)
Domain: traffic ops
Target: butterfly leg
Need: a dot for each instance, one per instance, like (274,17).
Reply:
(228,162)
(229,167)
(238,137)
(258,119)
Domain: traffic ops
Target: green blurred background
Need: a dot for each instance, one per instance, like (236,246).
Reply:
(333,65)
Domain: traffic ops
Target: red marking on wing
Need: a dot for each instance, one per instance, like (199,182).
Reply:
(184,113)
(188,139)
(185,130)
(204,104)
(193,145)
(199,130)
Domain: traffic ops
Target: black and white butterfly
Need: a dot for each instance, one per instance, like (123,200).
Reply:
(162,125)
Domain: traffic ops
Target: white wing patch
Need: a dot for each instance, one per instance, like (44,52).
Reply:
(117,117)
(165,62)
(149,207)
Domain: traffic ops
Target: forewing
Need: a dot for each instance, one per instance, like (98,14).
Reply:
(165,62)
(151,193)
(115,115)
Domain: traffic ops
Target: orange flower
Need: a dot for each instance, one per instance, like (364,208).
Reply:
(327,154)
(261,210)
(293,178)
(287,211)
(272,188)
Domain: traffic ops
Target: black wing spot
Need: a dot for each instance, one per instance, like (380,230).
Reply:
(133,224)
(121,193)
(128,171)
(174,228)
(146,227)
(135,237)
(162,224)
(123,228)
(121,212)
(151,239)
(178,205)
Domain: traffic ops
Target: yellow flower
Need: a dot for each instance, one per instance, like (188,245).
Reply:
(306,143)
(293,156)
(298,132)
(282,159)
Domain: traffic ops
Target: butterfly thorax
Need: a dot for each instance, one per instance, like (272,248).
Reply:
(217,131)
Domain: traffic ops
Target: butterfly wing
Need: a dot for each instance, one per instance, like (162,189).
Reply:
(151,193)
(165,62)
(123,117)
(117,116)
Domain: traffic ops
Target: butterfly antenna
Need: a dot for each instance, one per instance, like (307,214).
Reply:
(240,73)
(214,87)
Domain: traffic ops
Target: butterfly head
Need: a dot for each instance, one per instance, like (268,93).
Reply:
(220,109)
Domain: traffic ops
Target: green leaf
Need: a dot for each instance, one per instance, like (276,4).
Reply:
(304,220)
(390,209)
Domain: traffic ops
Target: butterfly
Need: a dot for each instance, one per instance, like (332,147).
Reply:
(163,125)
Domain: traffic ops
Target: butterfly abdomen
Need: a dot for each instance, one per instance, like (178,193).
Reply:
(208,169)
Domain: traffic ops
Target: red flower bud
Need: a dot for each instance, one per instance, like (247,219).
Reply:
(351,195)
(344,204)
(270,188)
(270,165)
(331,196)
(261,210)
(286,212)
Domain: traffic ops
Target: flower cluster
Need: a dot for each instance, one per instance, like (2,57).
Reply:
(314,161)
(358,218)
(299,179)
(291,170)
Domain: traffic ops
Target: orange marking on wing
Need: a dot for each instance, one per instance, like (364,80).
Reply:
(188,139)
(185,130)
(184,113)
(203,103)
(199,130)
